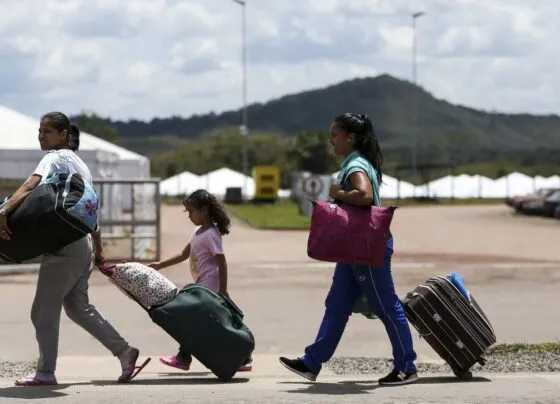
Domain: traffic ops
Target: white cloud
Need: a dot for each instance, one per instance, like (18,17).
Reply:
(146,58)
(141,71)
(195,56)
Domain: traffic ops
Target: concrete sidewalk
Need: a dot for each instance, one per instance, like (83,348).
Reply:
(18,269)
(92,380)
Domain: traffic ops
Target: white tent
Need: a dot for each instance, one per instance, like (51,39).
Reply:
(392,187)
(468,186)
(477,186)
(512,184)
(20,132)
(461,186)
(217,181)
(484,186)
(550,182)
(180,184)
(20,154)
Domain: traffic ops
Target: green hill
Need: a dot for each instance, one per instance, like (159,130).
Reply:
(390,103)
(399,110)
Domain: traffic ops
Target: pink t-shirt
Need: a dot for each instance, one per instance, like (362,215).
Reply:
(205,245)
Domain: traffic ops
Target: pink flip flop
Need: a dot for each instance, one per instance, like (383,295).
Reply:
(245,368)
(172,361)
(33,381)
(125,377)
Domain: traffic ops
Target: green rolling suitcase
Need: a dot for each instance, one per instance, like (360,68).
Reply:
(208,326)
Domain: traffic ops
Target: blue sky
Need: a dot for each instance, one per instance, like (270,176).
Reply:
(155,58)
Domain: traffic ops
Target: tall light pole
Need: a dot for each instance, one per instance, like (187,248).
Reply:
(415,16)
(244,128)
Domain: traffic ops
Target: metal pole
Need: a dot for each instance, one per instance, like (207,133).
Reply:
(245,122)
(157,201)
(415,100)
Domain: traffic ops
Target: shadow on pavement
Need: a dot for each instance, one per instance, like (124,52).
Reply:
(332,389)
(450,380)
(162,381)
(185,374)
(34,393)
(46,392)
(363,386)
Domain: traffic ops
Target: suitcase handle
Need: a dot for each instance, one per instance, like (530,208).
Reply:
(226,302)
(236,311)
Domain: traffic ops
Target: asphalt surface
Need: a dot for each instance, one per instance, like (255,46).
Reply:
(510,264)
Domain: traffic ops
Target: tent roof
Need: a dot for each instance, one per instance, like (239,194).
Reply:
(19,132)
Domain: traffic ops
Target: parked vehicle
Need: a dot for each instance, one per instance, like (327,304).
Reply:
(535,207)
(531,203)
(551,205)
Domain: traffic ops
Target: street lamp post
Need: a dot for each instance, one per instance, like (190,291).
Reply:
(415,16)
(244,128)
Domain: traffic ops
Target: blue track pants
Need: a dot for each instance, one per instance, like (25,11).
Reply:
(349,282)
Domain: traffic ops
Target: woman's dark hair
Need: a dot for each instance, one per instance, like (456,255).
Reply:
(60,122)
(200,199)
(366,140)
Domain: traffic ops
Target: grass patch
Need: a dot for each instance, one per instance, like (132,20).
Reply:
(443,202)
(282,215)
(172,199)
(508,349)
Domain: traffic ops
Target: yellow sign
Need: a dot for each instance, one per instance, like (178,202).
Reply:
(267,182)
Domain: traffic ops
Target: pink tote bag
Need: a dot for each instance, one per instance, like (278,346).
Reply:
(349,234)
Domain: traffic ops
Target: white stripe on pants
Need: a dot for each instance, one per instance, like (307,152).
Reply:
(63,282)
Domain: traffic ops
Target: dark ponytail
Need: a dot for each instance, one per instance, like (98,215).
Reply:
(366,140)
(370,148)
(74,137)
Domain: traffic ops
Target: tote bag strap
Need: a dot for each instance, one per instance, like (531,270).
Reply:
(374,185)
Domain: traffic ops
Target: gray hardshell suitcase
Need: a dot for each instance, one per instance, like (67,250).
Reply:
(453,324)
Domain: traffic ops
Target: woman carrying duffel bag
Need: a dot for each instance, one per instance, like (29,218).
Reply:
(64,274)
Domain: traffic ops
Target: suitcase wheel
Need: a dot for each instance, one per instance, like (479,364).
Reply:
(463,374)
(482,361)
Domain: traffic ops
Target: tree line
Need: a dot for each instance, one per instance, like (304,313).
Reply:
(310,151)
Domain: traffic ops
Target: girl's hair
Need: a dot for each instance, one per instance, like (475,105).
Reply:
(366,140)
(60,122)
(200,199)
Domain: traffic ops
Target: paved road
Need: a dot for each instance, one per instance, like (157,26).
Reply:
(511,265)
(284,304)
(273,385)
(162,390)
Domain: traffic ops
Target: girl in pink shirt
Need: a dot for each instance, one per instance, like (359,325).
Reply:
(205,252)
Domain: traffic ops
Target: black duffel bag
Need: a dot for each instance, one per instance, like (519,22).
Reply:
(59,211)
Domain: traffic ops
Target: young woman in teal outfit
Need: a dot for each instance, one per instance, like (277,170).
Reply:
(352,137)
